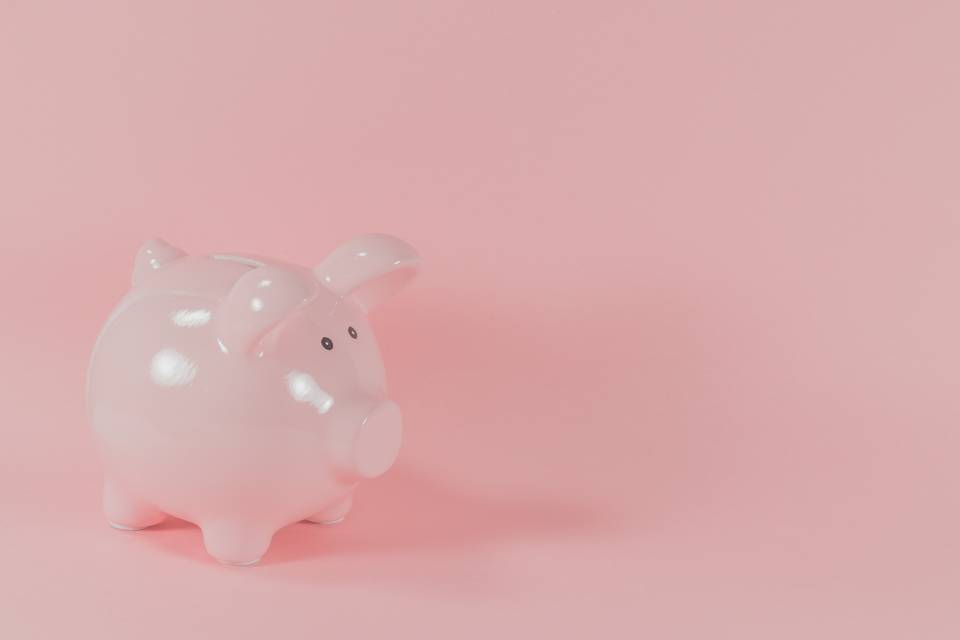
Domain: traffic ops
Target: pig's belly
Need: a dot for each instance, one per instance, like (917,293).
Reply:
(185,428)
(203,471)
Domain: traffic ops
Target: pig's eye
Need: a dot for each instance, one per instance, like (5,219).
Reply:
(352,332)
(327,343)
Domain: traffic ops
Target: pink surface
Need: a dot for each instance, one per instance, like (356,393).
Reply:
(682,362)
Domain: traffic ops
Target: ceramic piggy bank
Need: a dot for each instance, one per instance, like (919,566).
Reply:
(244,394)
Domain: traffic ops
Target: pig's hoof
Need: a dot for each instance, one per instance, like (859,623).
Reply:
(248,563)
(127,513)
(333,514)
(235,544)
(123,527)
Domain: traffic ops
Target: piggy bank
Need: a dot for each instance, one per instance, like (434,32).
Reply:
(244,394)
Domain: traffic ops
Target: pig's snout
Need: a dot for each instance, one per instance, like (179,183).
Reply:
(377,441)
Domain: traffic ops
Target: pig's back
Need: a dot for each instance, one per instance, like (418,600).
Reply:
(161,334)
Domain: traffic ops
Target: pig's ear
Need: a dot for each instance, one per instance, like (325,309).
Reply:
(369,268)
(258,301)
(153,256)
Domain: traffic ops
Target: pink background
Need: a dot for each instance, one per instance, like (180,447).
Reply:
(682,362)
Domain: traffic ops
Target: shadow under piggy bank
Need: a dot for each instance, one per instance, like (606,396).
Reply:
(409,511)
(407,524)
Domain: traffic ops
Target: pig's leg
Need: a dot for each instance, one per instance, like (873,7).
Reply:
(334,513)
(127,513)
(235,543)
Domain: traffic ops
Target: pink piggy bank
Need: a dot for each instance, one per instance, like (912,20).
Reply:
(245,394)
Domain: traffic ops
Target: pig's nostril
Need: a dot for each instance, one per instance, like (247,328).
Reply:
(378,442)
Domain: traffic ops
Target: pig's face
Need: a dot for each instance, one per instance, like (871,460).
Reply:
(334,377)
(312,325)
